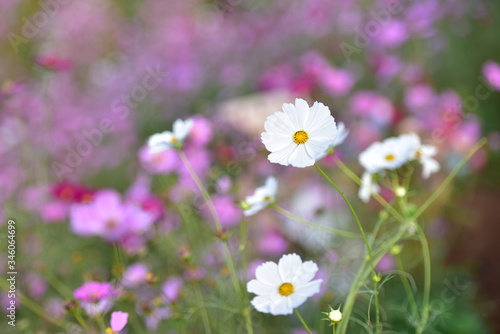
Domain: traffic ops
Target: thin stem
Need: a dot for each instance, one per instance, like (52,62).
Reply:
(406,285)
(243,243)
(331,230)
(427,278)
(302,321)
(449,178)
(377,197)
(202,189)
(204,314)
(229,256)
(368,247)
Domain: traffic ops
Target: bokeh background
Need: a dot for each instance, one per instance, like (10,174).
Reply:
(83,84)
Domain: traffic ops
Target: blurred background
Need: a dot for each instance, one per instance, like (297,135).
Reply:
(83,84)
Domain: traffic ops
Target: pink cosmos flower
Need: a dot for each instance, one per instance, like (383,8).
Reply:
(108,217)
(135,275)
(491,71)
(172,288)
(118,321)
(227,210)
(96,297)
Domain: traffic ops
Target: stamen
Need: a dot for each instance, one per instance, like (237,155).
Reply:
(300,137)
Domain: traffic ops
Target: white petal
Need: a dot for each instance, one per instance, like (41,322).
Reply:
(268,273)
(316,149)
(280,307)
(276,141)
(261,303)
(282,157)
(324,130)
(280,122)
(308,289)
(300,158)
(295,300)
(259,288)
(288,266)
(291,113)
(430,166)
(318,113)
(303,112)
(306,272)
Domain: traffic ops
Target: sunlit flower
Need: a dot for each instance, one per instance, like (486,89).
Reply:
(368,187)
(299,135)
(261,198)
(168,139)
(392,153)
(118,322)
(284,286)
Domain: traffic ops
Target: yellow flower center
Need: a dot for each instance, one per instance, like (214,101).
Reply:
(110,331)
(175,139)
(390,157)
(267,198)
(286,289)
(300,137)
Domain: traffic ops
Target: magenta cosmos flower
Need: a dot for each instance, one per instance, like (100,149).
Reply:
(95,297)
(108,217)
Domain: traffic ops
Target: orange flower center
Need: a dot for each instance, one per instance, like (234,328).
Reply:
(286,289)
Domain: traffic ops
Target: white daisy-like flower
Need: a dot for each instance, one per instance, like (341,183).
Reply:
(368,187)
(284,286)
(424,154)
(162,141)
(261,198)
(299,135)
(392,153)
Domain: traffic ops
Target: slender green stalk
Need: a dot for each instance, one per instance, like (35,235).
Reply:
(449,178)
(406,285)
(204,314)
(427,279)
(202,189)
(331,230)
(246,312)
(302,320)
(367,244)
(377,197)
(228,256)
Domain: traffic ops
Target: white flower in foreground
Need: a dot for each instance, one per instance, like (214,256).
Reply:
(282,287)
(424,154)
(261,198)
(368,187)
(392,153)
(299,135)
(162,141)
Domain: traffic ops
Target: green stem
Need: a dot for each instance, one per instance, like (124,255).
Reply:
(203,190)
(331,230)
(302,321)
(406,285)
(204,314)
(208,200)
(427,278)
(377,197)
(449,178)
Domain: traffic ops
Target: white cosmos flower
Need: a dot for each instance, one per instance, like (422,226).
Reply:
(299,135)
(392,153)
(261,198)
(162,141)
(368,187)
(424,154)
(282,287)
